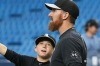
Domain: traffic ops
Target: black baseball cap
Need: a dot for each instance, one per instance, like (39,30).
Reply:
(65,5)
(46,37)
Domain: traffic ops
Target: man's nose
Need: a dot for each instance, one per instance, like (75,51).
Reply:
(50,14)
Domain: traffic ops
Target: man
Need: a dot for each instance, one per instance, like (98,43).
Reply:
(44,47)
(71,49)
(92,41)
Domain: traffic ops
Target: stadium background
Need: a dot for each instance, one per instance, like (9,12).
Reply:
(22,21)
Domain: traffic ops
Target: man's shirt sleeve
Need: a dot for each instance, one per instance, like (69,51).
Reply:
(71,52)
(75,64)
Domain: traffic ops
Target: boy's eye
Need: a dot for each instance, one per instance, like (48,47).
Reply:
(49,44)
(41,42)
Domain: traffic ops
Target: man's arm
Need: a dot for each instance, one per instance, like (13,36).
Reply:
(3,49)
(71,52)
(75,64)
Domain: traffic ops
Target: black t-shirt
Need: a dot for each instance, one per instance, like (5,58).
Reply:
(70,51)
(22,60)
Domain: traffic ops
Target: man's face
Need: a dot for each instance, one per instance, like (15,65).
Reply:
(44,49)
(93,30)
(56,19)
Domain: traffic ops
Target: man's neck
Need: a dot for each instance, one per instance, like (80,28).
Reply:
(41,59)
(64,27)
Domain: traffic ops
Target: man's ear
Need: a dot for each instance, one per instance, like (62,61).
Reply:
(65,15)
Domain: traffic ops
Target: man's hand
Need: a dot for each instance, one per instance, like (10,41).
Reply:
(3,49)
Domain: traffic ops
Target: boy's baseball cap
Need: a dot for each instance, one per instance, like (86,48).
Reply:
(46,37)
(65,5)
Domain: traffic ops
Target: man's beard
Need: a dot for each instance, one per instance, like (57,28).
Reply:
(53,26)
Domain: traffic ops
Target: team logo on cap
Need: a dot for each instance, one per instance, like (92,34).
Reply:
(46,35)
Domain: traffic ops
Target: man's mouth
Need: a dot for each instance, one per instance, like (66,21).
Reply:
(51,19)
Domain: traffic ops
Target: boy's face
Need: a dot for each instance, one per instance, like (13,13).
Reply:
(44,49)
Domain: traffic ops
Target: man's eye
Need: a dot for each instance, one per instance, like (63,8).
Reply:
(53,10)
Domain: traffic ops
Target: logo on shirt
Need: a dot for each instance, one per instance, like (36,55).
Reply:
(75,54)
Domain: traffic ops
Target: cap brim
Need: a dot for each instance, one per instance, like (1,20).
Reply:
(44,39)
(51,6)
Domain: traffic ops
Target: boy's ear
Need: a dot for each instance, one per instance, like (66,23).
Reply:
(35,49)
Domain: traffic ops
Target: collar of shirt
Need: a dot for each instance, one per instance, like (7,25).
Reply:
(41,63)
(67,32)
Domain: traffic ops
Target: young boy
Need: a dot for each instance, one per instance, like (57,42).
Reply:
(44,47)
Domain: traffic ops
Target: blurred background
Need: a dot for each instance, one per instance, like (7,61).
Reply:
(22,21)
